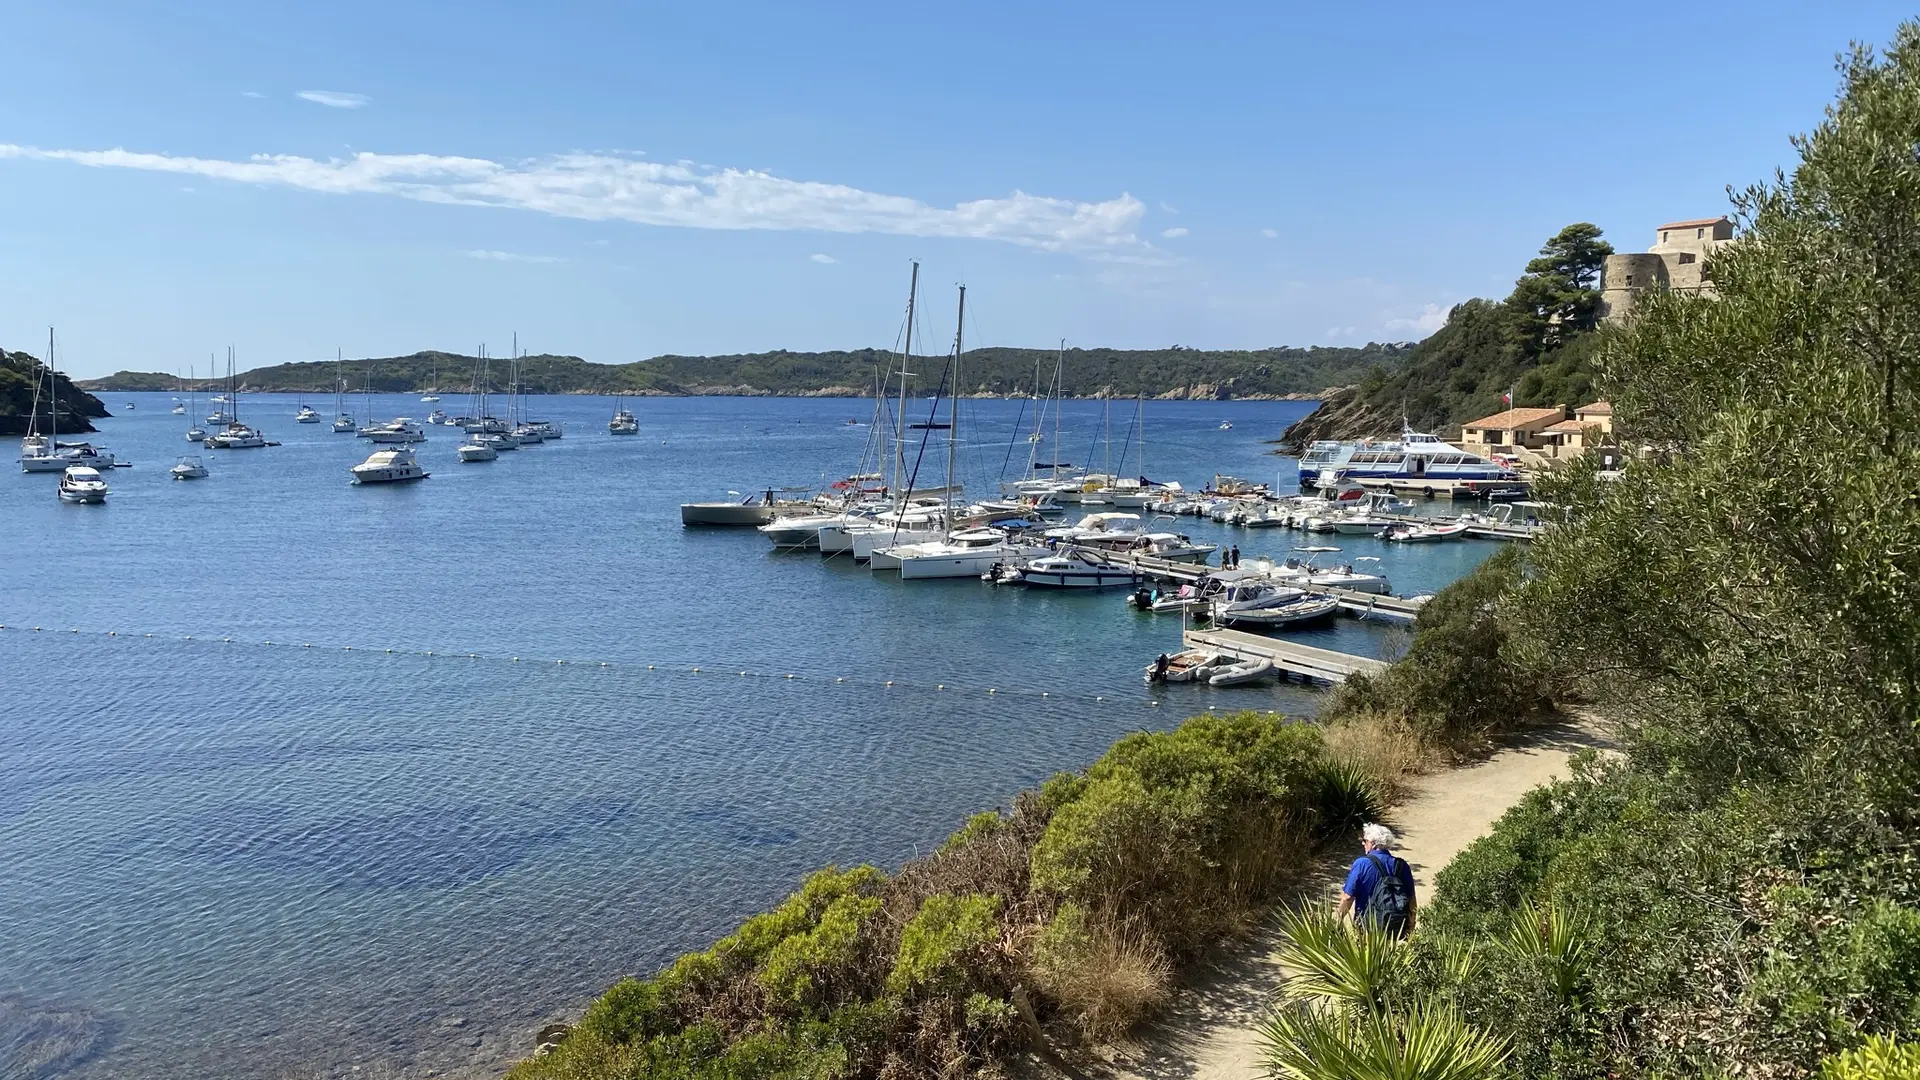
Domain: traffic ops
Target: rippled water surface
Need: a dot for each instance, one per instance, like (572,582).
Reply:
(235,858)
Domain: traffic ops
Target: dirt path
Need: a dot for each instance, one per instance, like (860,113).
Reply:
(1209,1032)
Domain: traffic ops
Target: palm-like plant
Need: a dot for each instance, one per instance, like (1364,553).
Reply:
(1555,939)
(1308,1041)
(1334,1022)
(1328,958)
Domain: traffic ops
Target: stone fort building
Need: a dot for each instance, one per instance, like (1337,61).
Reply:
(1677,260)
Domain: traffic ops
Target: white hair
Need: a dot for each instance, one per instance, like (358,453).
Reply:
(1377,835)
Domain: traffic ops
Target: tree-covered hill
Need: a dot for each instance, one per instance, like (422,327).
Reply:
(1172,372)
(18,372)
(1537,344)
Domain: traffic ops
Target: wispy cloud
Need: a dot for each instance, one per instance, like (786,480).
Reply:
(252,94)
(599,187)
(1271,234)
(1174,233)
(1431,318)
(334,99)
(509,256)
(824,260)
(1169,207)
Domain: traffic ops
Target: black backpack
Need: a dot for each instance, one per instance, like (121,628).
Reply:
(1391,901)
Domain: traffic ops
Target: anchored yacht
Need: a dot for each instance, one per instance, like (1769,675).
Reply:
(388,467)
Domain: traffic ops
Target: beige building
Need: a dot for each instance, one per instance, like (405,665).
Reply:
(1677,260)
(1507,432)
(1590,431)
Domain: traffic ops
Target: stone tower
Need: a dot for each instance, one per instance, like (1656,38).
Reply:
(1677,260)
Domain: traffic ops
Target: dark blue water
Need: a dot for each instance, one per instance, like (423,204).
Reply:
(238,858)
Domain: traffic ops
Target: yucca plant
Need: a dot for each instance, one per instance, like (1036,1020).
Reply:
(1556,940)
(1328,958)
(1307,1040)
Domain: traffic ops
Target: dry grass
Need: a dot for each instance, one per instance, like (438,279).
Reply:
(1110,986)
(1384,747)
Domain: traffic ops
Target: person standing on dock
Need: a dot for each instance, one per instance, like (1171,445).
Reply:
(1379,887)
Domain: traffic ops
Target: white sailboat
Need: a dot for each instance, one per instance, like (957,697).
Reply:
(432,396)
(43,451)
(623,422)
(196,433)
(343,422)
(235,435)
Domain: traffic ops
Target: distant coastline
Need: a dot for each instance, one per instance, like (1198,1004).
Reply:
(1174,373)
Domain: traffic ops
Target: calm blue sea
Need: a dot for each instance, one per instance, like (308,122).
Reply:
(313,847)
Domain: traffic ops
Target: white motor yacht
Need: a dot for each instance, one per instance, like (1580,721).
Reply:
(1252,601)
(82,484)
(547,428)
(388,467)
(306,415)
(188,468)
(477,448)
(437,417)
(1076,569)
(623,423)
(402,431)
(528,435)
(802,531)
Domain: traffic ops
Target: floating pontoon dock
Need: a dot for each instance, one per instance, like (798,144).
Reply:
(1290,657)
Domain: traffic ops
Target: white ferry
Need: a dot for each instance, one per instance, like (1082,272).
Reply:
(1415,456)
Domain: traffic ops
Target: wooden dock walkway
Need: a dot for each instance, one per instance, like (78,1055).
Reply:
(1289,656)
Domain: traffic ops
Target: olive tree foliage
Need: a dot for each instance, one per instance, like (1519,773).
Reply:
(1748,594)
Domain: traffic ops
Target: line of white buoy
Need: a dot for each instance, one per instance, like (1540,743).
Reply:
(611,667)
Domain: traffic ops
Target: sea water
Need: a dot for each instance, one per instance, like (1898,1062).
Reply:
(298,776)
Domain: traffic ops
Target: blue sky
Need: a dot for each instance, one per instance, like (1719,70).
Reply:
(623,180)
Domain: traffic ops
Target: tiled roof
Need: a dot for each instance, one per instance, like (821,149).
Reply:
(1695,223)
(1513,418)
(1569,425)
(1598,408)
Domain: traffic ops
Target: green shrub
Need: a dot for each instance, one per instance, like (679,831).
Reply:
(1878,1059)
(944,944)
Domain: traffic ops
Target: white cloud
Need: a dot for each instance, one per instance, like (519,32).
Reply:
(599,187)
(1170,208)
(1431,318)
(1173,233)
(252,94)
(824,260)
(334,99)
(1271,234)
(508,256)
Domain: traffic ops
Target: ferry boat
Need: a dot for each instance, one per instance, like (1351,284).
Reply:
(1414,457)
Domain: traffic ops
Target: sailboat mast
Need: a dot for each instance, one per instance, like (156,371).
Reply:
(1059,366)
(900,420)
(953,402)
(53,400)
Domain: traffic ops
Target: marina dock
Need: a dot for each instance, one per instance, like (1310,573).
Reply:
(1290,657)
(1448,489)
(1352,602)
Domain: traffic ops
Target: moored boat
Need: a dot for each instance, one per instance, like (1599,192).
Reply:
(188,468)
(388,467)
(82,484)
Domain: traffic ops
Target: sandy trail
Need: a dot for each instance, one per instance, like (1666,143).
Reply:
(1208,1034)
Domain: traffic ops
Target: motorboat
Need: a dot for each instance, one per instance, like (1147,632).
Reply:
(235,436)
(219,416)
(1414,457)
(306,415)
(1160,602)
(548,429)
(1226,425)
(799,531)
(1076,569)
(1193,665)
(82,484)
(437,417)
(1408,533)
(1303,572)
(179,410)
(428,399)
(529,435)
(750,510)
(623,423)
(477,448)
(188,468)
(218,399)
(402,430)
(1257,602)
(388,467)
(1241,672)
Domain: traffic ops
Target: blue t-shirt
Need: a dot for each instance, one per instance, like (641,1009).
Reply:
(1365,877)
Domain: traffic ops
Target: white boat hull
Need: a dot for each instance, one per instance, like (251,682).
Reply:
(725,513)
(867,541)
(1246,671)
(398,474)
(970,564)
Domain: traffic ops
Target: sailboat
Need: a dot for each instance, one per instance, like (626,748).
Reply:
(179,409)
(45,452)
(623,422)
(343,422)
(196,433)
(307,414)
(432,396)
(236,435)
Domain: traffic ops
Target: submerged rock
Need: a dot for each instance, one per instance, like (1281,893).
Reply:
(41,1041)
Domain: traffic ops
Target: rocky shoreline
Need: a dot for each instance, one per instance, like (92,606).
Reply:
(1342,415)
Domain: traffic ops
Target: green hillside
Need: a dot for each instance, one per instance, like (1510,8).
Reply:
(18,372)
(1538,343)
(1172,372)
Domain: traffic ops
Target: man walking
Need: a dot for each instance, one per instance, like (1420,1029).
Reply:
(1379,886)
